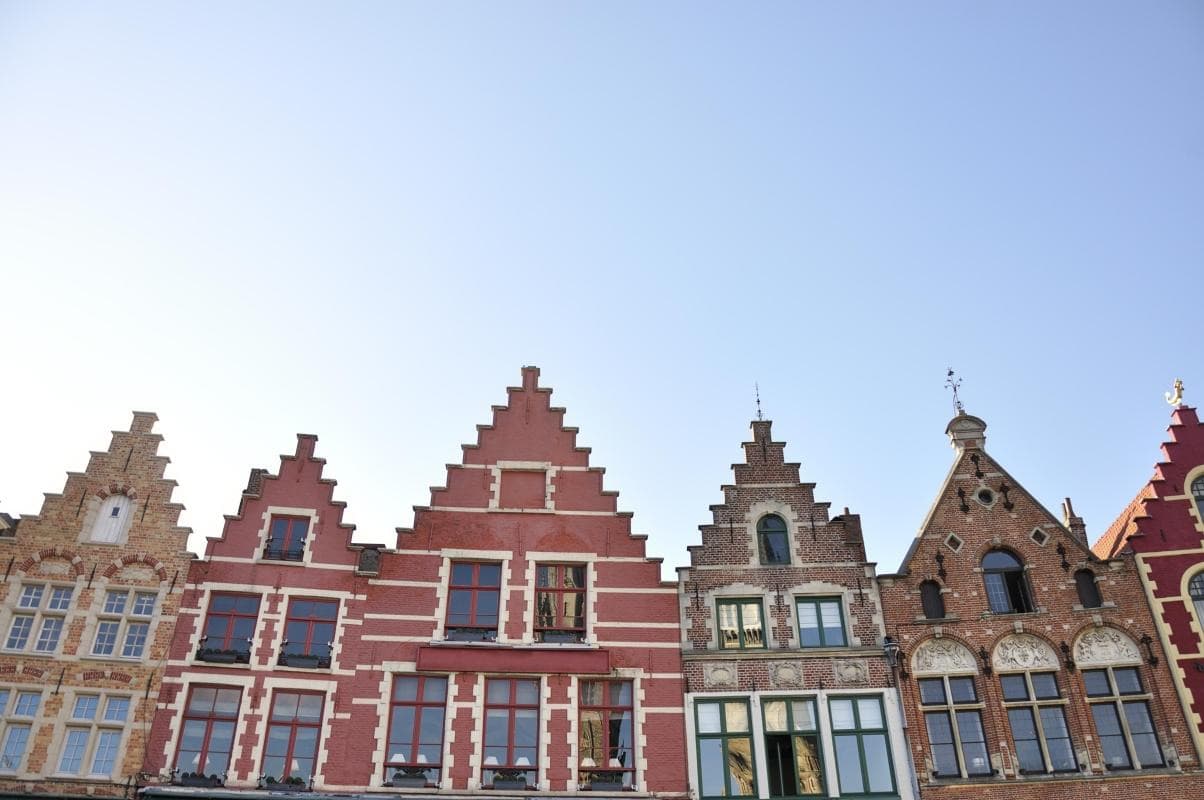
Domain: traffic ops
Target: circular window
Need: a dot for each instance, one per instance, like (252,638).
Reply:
(985,496)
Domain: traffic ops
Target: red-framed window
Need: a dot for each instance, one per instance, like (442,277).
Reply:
(286,538)
(606,735)
(294,727)
(229,627)
(472,603)
(207,738)
(415,753)
(511,755)
(559,603)
(309,632)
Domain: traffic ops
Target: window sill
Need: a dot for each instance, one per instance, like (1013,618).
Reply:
(937,620)
(516,645)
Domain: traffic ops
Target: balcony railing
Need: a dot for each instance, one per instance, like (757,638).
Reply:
(304,660)
(219,655)
(276,551)
(197,779)
(417,776)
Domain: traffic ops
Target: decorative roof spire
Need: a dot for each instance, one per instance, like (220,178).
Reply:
(955,384)
(757,387)
(1176,398)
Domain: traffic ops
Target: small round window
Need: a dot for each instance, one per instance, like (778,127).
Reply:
(985,496)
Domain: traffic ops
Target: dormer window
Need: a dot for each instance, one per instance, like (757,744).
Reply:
(286,539)
(111,519)
(773,541)
(1006,584)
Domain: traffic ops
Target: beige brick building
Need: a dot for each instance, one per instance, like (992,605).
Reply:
(87,611)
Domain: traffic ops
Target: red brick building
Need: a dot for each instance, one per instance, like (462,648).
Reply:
(87,607)
(1033,670)
(1163,530)
(788,689)
(517,637)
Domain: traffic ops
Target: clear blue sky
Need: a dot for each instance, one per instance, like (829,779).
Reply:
(359,220)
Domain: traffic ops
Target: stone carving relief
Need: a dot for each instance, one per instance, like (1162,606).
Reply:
(784,674)
(720,676)
(137,573)
(850,672)
(938,656)
(1105,646)
(1023,651)
(53,566)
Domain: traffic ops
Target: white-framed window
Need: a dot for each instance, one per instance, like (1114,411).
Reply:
(39,618)
(18,707)
(123,624)
(92,740)
(1120,706)
(111,519)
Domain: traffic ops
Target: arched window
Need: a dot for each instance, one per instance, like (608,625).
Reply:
(772,540)
(1195,589)
(1197,491)
(1007,587)
(111,519)
(930,598)
(1084,581)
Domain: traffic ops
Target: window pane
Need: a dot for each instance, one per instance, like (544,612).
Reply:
(779,763)
(877,762)
(708,718)
(974,743)
(526,692)
(309,708)
(808,616)
(963,690)
(73,752)
(27,704)
(105,756)
(741,781)
(940,738)
(115,602)
(736,717)
(729,625)
(710,767)
(31,596)
(1045,685)
(60,598)
(226,704)
(751,619)
(144,604)
(870,711)
(1024,735)
(848,764)
(1096,683)
(842,715)
(18,633)
(15,739)
(1128,681)
(490,575)
(85,707)
(1057,739)
(775,716)
(830,617)
(804,715)
(434,690)
(1141,728)
(809,765)
(997,593)
(1014,687)
(1112,740)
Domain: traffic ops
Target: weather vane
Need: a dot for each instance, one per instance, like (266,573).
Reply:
(954,383)
(757,387)
(1176,398)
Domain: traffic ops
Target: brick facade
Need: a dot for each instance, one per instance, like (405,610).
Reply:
(1011,629)
(1163,529)
(454,613)
(772,551)
(87,608)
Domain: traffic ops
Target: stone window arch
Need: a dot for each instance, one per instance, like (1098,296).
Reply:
(1195,590)
(773,540)
(1035,704)
(1088,589)
(112,519)
(1006,584)
(951,703)
(932,600)
(1119,699)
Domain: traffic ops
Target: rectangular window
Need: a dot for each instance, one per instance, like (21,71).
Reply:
(1121,710)
(559,603)
(955,731)
(286,539)
(207,738)
(309,633)
(862,751)
(792,752)
(511,747)
(725,751)
(472,602)
(92,741)
(415,751)
(229,628)
(741,625)
(606,736)
(294,728)
(123,625)
(821,623)
(40,629)
(1037,716)
(17,710)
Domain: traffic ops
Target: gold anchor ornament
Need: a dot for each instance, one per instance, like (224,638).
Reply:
(1176,398)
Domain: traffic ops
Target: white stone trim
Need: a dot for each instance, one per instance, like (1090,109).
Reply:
(307,552)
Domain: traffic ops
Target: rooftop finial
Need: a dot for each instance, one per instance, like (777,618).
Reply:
(954,383)
(757,387)
(1176,398)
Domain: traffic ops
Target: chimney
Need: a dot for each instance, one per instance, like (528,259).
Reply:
(1073,522)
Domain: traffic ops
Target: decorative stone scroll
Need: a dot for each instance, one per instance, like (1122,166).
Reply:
(1022,651)
(850,672)
(1100,646)
(720,676)
(939,656)
(785,675)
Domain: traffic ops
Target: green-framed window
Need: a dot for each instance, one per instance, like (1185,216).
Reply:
(863,759)
(820,622)
(741,624)
(792,749)
(725,749)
